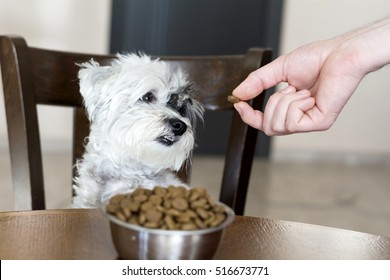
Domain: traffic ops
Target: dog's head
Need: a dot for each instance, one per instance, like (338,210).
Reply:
(140,109)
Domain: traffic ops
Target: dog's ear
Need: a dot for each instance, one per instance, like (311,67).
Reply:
(92,78)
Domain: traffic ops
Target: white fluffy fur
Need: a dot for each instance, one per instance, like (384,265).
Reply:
(123,151)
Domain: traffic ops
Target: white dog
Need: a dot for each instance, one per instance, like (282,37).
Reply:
(142,116)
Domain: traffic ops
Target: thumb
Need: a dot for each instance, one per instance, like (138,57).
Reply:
(261,79)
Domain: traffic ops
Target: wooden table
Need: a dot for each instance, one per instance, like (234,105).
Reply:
(85,234)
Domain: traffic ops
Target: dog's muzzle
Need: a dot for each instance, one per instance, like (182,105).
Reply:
(177,129)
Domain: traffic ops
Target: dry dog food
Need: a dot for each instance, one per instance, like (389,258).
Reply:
(233,99)
(172,208)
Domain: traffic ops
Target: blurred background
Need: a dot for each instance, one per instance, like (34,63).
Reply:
(339,177)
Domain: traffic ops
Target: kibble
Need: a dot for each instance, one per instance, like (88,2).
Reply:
(172,208)
(233,99)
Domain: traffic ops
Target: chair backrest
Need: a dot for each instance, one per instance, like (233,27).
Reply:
(33,76)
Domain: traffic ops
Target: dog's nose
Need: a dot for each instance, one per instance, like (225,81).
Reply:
(178,127)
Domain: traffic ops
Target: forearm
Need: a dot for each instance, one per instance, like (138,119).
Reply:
(367,48)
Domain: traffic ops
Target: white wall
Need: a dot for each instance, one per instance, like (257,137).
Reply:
(70,25)
(83,25)
(362,130)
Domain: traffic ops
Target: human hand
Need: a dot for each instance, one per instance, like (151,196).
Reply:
(318,89)
(321,77)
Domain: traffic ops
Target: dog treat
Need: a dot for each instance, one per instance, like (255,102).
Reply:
(233,99)
(172,208)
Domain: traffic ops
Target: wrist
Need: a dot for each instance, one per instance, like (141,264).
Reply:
(368,47)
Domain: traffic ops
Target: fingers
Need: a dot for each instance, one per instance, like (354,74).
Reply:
(286,112)
(250,116)
(261,79)
(297,117)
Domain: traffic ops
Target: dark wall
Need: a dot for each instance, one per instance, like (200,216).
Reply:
(198,27)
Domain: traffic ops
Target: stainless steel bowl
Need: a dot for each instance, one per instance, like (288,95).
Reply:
(135,242)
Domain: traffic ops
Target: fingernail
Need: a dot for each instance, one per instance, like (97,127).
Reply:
(238,108)
(304,92)
(288,89)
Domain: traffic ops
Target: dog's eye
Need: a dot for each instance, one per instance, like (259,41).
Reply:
(173,99)
(148,97)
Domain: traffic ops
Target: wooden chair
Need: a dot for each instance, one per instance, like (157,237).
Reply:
(34,76)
